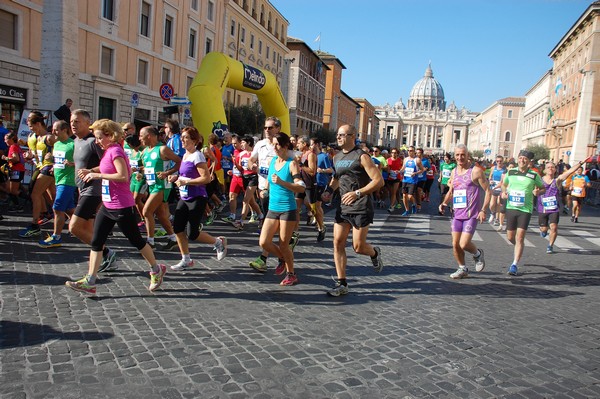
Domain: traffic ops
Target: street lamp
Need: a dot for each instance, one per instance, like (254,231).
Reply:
(357,117)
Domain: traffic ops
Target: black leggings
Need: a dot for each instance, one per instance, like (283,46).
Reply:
(190,211)
(125,218)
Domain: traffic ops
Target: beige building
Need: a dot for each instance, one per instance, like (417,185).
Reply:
(368,123)
(304,87)
(574,129)
(425,122)
(111,56)
(494,130)
(536,113)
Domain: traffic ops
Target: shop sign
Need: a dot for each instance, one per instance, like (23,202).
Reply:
(13,93)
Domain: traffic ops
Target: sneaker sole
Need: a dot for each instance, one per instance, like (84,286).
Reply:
(258,268)
(80,290)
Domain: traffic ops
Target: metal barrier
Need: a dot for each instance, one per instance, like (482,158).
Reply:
(593,194)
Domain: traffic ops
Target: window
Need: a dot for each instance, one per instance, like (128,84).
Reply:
(507,136)
(210,12)
(192,44)
(232,30)
(166,75)
(8,30)
(208,45)
(142,72)
(106,108)
(243,35)
(252,41)
(189,81)
(108,9)
(268,52)
(510,113)
(145,20)
(106,61)
(194,5)
(259,47)
(168,40)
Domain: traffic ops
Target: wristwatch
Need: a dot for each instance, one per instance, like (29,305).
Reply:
(358,194)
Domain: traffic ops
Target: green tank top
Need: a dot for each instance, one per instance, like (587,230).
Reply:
(153,164)
(63,151)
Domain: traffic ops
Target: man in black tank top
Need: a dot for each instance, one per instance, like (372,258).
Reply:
(357,177)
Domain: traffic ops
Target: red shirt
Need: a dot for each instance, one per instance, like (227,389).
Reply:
(16,166)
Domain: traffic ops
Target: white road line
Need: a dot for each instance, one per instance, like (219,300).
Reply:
(587,236)
(567,245)
(503,235)
(418,225)
(476,237)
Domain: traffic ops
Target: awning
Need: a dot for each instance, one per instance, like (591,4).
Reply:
(143,122)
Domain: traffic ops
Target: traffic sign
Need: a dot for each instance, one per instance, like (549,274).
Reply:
(135,100)
(166,91)
(180,101)
(568,153)
(487,151)
(187,113)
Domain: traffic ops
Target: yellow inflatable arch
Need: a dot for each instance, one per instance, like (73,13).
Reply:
(218,72)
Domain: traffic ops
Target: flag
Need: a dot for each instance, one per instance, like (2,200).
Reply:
(318,39)
(550,114)
(558,86)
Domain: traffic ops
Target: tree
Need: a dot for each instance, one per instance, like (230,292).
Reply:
(246,119)
(477,154)
(540,151)
(325,136)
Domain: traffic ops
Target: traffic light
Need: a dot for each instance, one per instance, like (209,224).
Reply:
(171,109)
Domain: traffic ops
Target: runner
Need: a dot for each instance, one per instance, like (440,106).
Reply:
(308,171)
(411,169)
(394,163)
(519,186)
(284,180)
(466,186)
(117,207)
(233,176)
(422,177)
(64,177)
(156,172)
(446,168)
(16,163)
(192,180)
(579,183)
(250,181)
(357,177)
(496,173)
(324,171)
(547,204)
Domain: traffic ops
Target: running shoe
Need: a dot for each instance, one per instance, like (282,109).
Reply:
(160,232)
(479,261)
(549,249)
(108,262)
(253,219)
(377,261)
(238,225)
(391,209)
(496,222)
(280,267)
(45,219)
(290,279)
(183,265)
(82,286)
(338,289)
(566,210)
(221,206)
(142,227)
(229,219)
(30,231)
(572,218)
(398,206)
(312,221)
(221,247)
(576,220)
(543,234)
(259,265)
(491,219)
(294,240)
(51,242)
(513,270)
(321,234)
(405,213)
(414,209)
(211,217)
(156,278)
(461,272)
(169,246)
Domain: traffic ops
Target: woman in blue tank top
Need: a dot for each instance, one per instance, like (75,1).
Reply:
(283,182)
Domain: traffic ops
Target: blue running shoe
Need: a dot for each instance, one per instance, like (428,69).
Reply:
(405,213)
(549,249)
(512,270)
(543,234)
(51,242)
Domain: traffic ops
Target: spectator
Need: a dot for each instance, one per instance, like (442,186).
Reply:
(64,112)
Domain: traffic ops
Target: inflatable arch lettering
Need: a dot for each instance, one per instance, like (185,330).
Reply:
(218,72)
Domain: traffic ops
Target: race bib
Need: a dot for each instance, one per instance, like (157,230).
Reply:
(59,159)
(15,175)
(393,175)
(226,163)
(105,191)
(459,199)
(516,198)
(409,171)
(578,190)
(446,173)
(183,189)
(150,176)
(264,171)
(40,155)
(549,203)
(168,184)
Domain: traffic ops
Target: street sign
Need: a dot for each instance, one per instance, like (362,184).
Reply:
(166,91)
(187,113)
(487,151)
(135,100)
(568,153)
(180,101)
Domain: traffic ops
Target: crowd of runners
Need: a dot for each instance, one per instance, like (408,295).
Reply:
(90,175)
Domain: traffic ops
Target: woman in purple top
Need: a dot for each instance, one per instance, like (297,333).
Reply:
(118,206)
(547,206)
(192,180)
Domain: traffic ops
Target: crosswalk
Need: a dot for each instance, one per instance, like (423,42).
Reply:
(568,240)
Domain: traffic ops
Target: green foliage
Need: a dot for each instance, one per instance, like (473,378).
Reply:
(325,136)
(477,154)
(245,119)
(540,151)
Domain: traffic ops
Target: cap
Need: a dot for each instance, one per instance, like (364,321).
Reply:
(526,153)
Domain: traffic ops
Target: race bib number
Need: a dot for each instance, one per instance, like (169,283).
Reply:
(128,151)
(14,175)
(460,199)
(168,184)
(40,155)
(430,172)
(105,191)
(516,198)
(133,163)
(263,171)
(183,191)
(59,159)
(578,191)
(446,173)
(409,171)
(393,175)
(150,176)
(549,203)
(226,163)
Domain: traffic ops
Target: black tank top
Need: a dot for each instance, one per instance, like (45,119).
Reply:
(352,176)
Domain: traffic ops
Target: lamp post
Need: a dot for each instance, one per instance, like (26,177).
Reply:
(357,122)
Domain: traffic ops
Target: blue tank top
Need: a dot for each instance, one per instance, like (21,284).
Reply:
(410,167)
(281,199)
(426,164)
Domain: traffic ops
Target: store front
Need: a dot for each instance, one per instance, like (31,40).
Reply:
(12,104)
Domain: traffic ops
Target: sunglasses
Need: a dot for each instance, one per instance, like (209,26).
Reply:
(269,127)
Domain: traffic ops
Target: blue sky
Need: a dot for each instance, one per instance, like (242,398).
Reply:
(480,51)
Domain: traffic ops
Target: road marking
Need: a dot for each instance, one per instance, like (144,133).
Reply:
(476,237)
(587,236)
(418,225)
(567,245)
(503,235)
